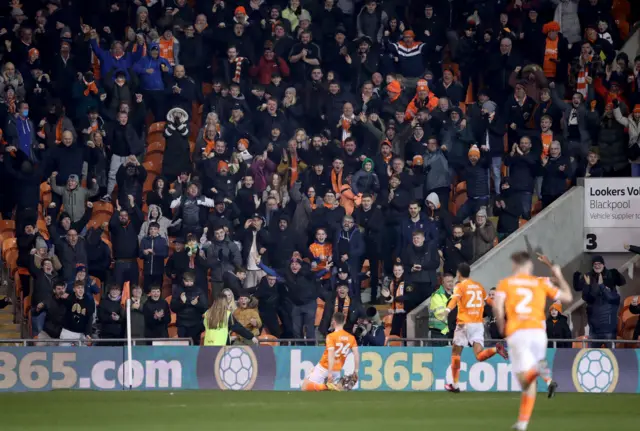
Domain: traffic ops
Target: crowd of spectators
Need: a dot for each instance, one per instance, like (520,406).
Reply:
(301,157)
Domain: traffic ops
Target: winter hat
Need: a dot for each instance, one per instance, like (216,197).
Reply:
(368,160)
(422,85)
(73,177)
(41,243)
(556,306)
(386,142)
(417,160)
(474,151)
(408,33)
(141,9)
(223,165)
(550,26)
(240,10)
(80,268)
(489,106)
(434,199)
(343,268)
(341,29)
(304,15)
(394,87)
(482,212)
(636,109)
(597,259)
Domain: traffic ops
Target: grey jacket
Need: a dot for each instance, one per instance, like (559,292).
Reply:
(75,200)
(483,239)
(221,257)
(436,168)
(302,214)
(161,220)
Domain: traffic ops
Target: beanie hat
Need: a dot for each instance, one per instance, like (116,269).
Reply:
(240,9)
(394,87)
(41,243)
(482,212)
(223,165)
(73,177)
(80,268)
(556,306)
(422,85)
(368,160)
(597,259)
(434,199)
(386,142)
(474,151)
(550,26)
(489,106)
(418,160)
(636,109)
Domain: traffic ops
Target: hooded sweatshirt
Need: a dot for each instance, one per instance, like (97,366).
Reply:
(151,81)
(365,181)
(161,220)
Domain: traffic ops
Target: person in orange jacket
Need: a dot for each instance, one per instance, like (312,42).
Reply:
(424,98)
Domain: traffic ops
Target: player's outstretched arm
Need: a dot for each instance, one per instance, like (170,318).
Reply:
(564,295)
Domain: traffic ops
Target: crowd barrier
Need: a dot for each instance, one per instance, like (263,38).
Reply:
(283,368)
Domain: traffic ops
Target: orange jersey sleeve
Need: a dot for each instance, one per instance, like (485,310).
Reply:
(471,297)
(525,299)
(341,343)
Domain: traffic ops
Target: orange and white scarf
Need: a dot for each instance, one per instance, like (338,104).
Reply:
(345,305)
(345,124)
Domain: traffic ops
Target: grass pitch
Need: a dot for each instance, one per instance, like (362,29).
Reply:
(283,411)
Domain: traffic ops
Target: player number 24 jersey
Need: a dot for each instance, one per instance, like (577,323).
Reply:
(342,343)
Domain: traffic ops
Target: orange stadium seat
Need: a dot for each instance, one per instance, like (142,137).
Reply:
(8,245)
(102,207)
(156,147)
(7,227)
(393,341)
(152,168)
(319,311)
(156,160)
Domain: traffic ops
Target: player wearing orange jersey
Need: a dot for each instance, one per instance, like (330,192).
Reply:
(339,345)
(470,297)
(521,299)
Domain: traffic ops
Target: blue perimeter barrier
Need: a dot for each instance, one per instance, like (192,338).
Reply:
(284,368)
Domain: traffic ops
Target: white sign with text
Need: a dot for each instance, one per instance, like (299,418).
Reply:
(611,213)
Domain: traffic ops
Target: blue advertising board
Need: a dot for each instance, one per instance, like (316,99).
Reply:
(284,368)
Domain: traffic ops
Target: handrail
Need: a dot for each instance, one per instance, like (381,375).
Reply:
(48,341)
(585,342)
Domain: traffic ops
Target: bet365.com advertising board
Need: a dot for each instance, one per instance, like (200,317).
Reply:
(284,368)
(611,213)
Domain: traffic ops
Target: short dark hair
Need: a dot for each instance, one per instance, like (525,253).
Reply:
(415,202)
(155,287)
(417,232)
(60,282)
(448,274)
(339,318)
(367,195)
(464,269)
(520,257)
(189,276)
(154,224)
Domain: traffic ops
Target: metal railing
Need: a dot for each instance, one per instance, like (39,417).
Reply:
(584,343)
(93,342)
(389,342)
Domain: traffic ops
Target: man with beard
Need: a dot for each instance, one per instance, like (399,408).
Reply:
(369,218)
(70,249)
(328,216)
(286,242)
(341,301)
(124,227)
(53,306)
(349,248)
(457,250)
(304,56)
(254,241)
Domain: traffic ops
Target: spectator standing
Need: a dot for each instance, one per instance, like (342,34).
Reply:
(483,234)
(558,327)
(111,316)
(599,291)
(54,308)
(247,315)
(420,260)
(78,317)
(439,327)
(189,303)
(157,314)
(154,249)
(124,227)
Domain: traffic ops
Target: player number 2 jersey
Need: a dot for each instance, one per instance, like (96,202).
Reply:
(470,297)
(342,343)
(525,301)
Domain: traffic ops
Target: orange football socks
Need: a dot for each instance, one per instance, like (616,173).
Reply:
(526,407)
(486,354)
(455,368)
(309,386)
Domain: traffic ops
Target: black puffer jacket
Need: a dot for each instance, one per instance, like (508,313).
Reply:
(110,328)
(187,314)
(602,300)
(612,142)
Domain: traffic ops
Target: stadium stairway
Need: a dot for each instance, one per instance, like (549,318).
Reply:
(558,232)
(8,329)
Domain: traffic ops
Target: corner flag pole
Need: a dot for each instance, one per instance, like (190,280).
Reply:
(129,345)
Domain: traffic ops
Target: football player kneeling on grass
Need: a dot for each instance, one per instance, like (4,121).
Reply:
(325,376)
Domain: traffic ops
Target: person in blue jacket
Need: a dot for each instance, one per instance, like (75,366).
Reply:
(150,69)
(116,58)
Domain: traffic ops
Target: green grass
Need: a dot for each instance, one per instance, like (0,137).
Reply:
(283,411)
